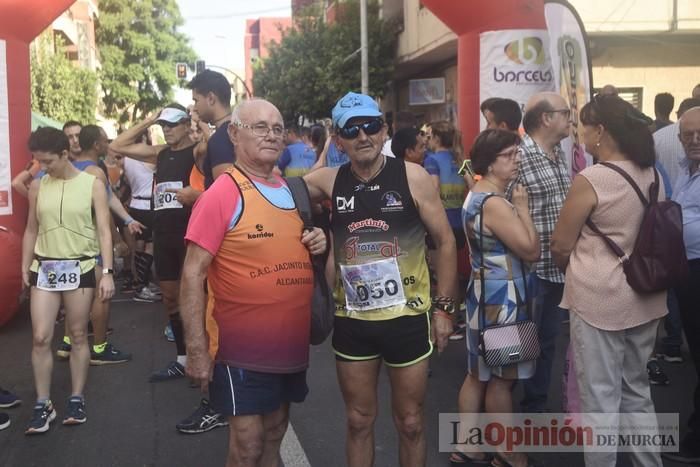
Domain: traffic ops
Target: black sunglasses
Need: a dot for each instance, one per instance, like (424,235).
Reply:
(370,128)
(163,123)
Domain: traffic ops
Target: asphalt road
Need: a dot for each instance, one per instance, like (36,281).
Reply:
(131,422)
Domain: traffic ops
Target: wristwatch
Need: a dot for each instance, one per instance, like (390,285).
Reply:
(447,307)
(108,271)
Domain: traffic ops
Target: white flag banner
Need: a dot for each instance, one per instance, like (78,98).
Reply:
(5,172)
(514,64)
(572,73)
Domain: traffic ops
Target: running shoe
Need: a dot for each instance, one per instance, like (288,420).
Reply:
(671,355)
(460,330)
(42,417)
(4,421)
(656,374)
(202,420)
(173,371)
(109,356)
(168,333)
(146,295)
(7,399)
(75,413)
(63,352)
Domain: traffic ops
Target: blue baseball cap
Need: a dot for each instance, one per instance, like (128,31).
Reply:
(353,105)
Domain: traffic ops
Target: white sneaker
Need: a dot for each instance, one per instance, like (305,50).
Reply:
(148,296)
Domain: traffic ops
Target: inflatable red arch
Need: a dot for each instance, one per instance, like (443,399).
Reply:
(20,22)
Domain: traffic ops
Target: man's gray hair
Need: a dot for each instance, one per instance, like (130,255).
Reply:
(236,113)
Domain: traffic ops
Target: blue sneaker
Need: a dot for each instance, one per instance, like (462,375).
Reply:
(4,420)
(7,399)
(75,413)
(42,417)
(168,333)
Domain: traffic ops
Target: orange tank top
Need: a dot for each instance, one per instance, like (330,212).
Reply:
(196,179)
(262,282)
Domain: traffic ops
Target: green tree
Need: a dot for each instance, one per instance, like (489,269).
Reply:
(312,67)
(139,46)
(60,90)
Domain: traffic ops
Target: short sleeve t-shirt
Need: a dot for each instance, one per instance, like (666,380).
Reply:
(219,151)
(453,189)
(296,160)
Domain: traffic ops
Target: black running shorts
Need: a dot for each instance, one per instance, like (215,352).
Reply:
(168,255)
(401,341)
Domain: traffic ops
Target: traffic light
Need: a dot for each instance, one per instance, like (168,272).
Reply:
(200,66)
(181,70)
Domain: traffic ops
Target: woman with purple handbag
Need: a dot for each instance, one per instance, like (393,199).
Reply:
(611,323)
(501,238)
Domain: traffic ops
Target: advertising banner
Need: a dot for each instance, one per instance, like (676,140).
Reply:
(514,64)
(572,72)
(5,174)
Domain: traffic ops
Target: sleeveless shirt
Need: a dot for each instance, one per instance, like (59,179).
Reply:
(173,169)
(262,281)
(66,224)
(376,224)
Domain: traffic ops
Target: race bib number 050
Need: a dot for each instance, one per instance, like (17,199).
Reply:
(57,276)
(163,199)
(373,285)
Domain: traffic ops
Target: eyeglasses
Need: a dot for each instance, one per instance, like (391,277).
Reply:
(370,128)
(261,130)
(690,136)
(565,112)
(513,153)
(164,124)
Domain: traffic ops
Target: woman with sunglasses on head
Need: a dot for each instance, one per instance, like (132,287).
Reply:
(611,324)
(68,213)
(501,238)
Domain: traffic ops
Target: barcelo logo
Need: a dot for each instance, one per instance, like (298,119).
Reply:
(525,51)
(259,227)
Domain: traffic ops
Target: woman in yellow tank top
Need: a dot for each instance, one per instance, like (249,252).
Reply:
(67,227)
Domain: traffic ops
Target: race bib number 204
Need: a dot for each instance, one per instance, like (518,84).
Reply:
(372,285)
(164,199)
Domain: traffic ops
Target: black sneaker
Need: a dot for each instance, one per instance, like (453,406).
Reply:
(173,371)
(4,420)
(670,355)
(7,399)
(109,356)
(42,417)
(656,374)
(75,413)
(202,420)
(63,352)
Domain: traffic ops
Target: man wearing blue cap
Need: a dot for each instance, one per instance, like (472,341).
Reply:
(172,201)
(382,209)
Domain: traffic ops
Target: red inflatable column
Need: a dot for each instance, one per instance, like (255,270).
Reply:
(20,22)
(468,19)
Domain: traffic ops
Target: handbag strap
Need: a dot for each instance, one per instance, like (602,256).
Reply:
(653,197)
(482,268)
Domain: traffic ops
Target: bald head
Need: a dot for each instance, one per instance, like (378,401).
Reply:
(696,91)
(689,117)
(552,98)
(254,106)
(547,114)
(609,90)
(690,134)
(257,133)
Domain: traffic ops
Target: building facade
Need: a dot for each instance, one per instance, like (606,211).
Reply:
(643,47)
(259,33)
